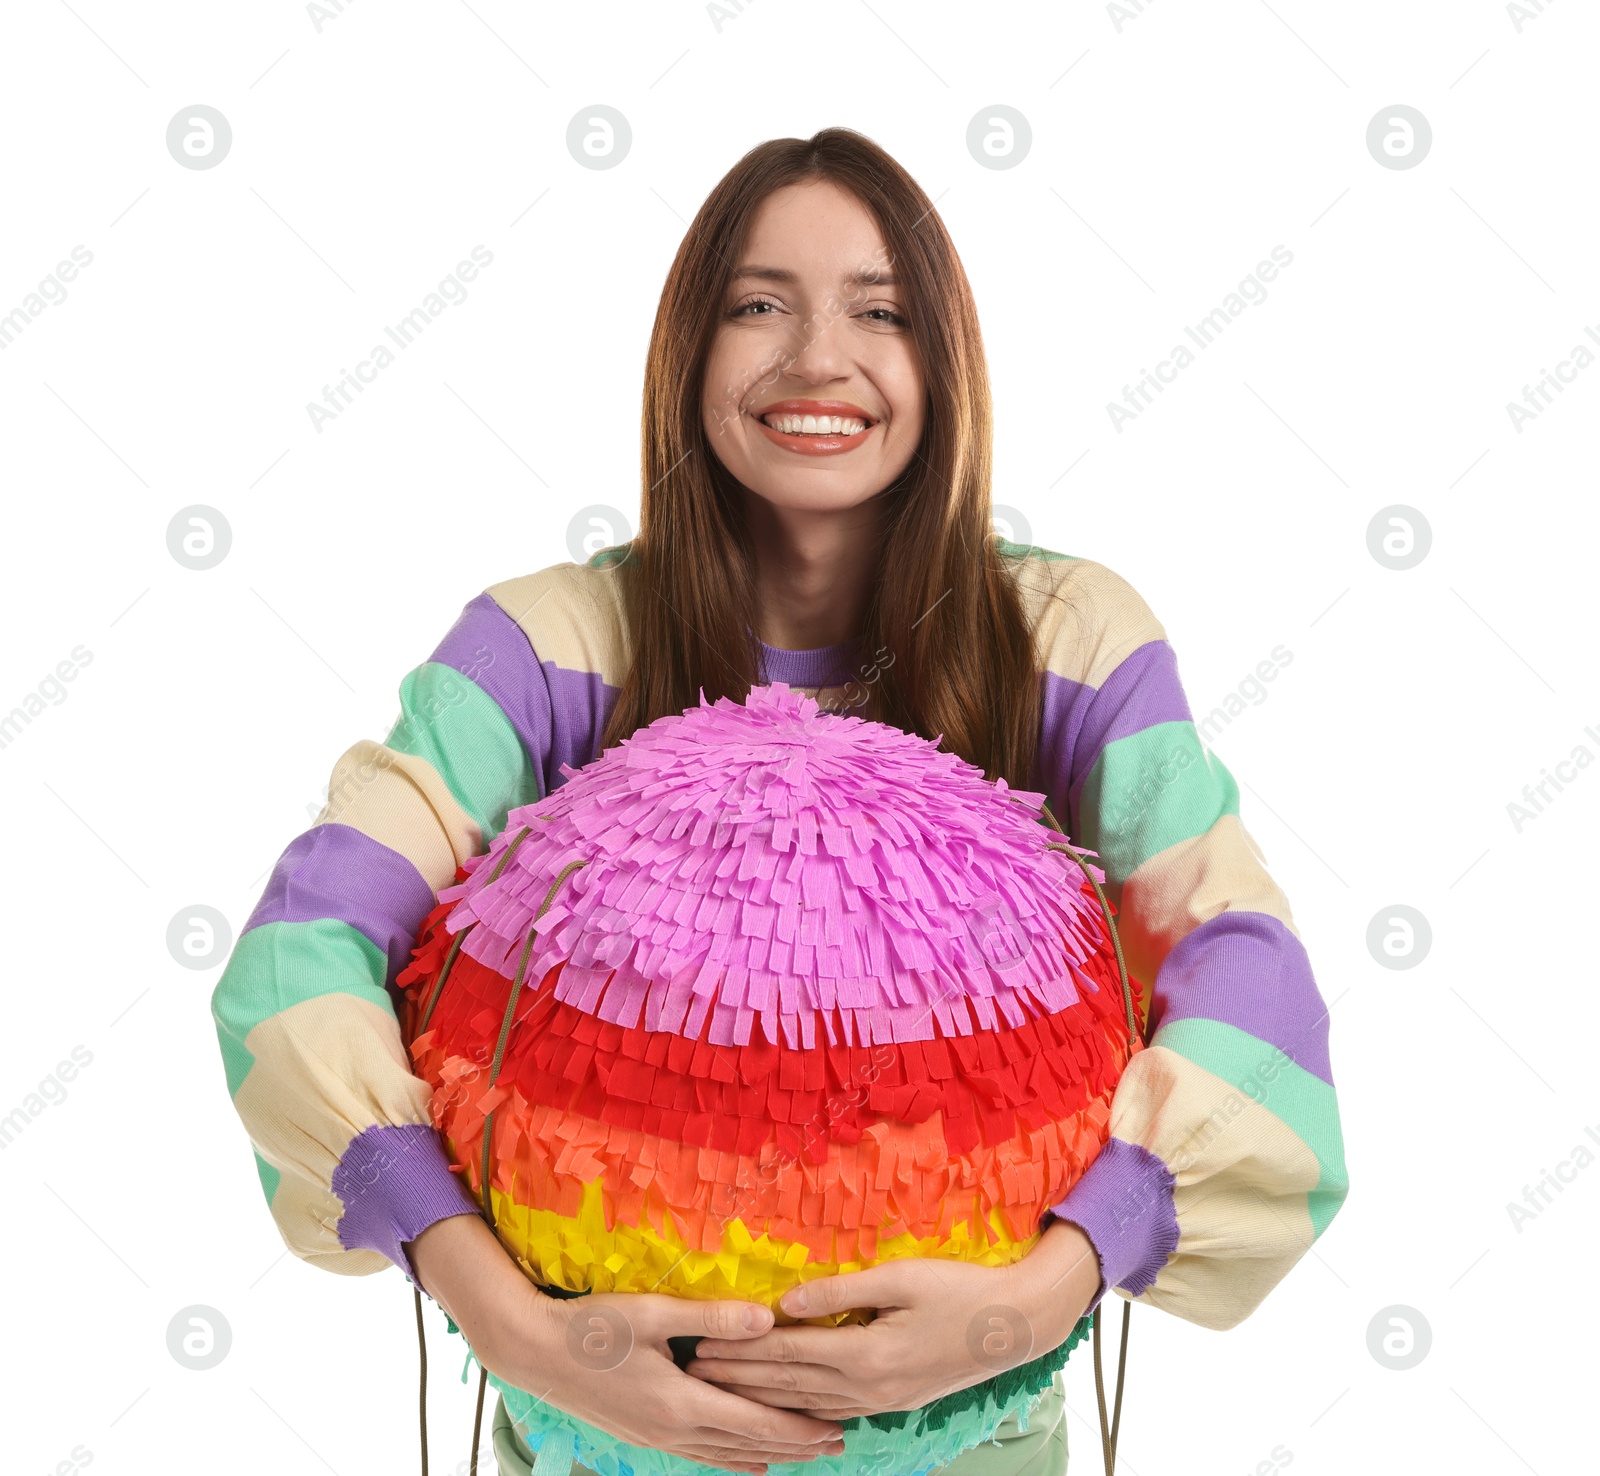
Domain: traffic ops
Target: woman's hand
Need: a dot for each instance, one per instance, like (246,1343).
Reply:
(605,1358)
(940,1326)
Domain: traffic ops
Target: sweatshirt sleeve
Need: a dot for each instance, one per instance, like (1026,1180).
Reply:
(305,1008)
(1226,1158)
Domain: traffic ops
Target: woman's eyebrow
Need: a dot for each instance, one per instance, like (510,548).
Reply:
(861,277)
(767,274)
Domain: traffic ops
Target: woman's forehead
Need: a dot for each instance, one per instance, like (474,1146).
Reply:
(810,227)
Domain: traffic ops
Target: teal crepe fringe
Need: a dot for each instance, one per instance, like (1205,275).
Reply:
(897,1443)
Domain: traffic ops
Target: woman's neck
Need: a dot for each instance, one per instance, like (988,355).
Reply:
(814,572)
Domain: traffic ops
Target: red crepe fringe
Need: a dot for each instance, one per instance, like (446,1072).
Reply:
(737,1099)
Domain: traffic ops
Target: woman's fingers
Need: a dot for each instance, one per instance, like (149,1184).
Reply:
(888,1284)
(797,1344)
(716,1455)
(822,1406)
(754,1462)
(618,1373)
(810,1378)
(658,1316)
(750,1422)
(754,1449)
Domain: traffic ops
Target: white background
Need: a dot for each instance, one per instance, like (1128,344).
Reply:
(1168,157)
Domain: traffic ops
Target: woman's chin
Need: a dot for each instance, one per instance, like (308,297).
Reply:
(826,492)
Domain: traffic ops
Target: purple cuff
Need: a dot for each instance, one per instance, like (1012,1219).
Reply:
(394,1182)
(1123,1203)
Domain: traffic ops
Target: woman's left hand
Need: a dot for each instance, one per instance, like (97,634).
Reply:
(940,1326)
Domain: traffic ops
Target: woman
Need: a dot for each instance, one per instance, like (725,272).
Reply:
(816,510)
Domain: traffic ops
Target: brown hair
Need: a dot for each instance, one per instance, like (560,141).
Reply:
(945,610)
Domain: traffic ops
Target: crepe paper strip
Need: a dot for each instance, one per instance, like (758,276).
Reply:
(433,955)
(556,1454)
(896,1443)
(502,861)
(730,1246)
(736,1098)
(748,861)
(896,1179)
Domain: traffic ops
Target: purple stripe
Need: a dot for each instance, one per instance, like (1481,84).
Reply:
(1248,970)
(489,648)
(580,703)
(336,871)
(1080,720)
(1123,1203)
(394,1181)
(559,714)
(820,666)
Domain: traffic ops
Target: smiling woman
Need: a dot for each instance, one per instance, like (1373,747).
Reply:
(815,459)
(790,297)
(832,317)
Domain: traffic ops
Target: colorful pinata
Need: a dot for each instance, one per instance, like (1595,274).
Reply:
(761,994)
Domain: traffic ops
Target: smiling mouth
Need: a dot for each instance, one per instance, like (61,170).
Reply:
(815,425)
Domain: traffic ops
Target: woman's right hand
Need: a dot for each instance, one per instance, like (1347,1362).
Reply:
(604,1358)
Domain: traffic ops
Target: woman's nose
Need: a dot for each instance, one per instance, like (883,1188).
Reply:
(818,350)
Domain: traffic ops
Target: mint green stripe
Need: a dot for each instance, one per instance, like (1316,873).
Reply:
(1150,790)
(279,964)
(449,720)
(269,1176)
(617,553)
(1302,1102)
(1012,550)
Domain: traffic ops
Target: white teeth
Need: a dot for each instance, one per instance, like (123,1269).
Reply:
(816,425)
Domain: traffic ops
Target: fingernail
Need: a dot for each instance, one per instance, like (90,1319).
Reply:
(755,1318)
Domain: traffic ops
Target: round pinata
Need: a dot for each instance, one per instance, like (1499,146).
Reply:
(761,994)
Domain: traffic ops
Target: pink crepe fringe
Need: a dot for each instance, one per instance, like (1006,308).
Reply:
(763,861)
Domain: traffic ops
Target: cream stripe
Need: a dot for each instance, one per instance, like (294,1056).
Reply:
(1165,898)
(1242,1180)
(327,1069)
(307,1217)
(1087,618)
(1237,1245)
(403,802)
(573,615)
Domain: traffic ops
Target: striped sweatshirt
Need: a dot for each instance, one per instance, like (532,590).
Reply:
(1225,1160)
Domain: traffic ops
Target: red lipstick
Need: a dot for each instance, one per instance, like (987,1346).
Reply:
(826,444)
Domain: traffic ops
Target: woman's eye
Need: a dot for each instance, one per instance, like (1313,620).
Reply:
(744,308)
(888,315)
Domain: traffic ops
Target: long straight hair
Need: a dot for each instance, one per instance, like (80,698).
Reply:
(950,646)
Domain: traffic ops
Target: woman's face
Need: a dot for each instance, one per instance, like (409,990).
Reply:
(813,395)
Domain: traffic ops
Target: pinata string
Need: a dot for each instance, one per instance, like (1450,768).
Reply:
(1111,927)
(1108,1432)
(1109,1429)
(486,1208)
(456,942)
